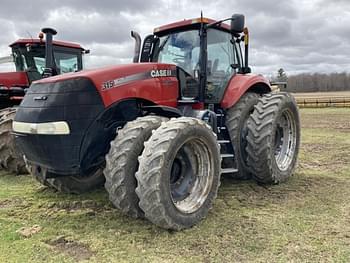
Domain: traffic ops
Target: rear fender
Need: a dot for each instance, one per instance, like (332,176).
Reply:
(240,84)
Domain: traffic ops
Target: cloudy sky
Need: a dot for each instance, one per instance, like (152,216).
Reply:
(297,35)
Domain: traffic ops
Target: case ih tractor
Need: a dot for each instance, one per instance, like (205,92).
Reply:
(162,130)
(34,59)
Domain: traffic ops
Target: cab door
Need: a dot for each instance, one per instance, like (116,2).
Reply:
(223,60)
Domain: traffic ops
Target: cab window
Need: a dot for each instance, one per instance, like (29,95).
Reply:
(221,57)
(66,62)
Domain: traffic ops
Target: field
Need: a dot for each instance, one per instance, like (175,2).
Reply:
(306,219)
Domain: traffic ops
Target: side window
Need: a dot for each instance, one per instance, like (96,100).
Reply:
(40,64)
(238,55)
(66,62)
(221,56)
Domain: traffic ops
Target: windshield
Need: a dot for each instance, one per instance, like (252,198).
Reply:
(181,49)
(33,59)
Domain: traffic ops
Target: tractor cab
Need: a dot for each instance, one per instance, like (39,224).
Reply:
(207,54)
(35,59)
(29,56)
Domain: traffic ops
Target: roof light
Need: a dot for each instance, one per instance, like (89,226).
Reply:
(41,36)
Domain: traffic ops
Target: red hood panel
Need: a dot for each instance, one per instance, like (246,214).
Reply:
(98,76)
(148,81)
(10,79)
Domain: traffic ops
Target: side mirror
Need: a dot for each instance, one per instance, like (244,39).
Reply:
(237,24)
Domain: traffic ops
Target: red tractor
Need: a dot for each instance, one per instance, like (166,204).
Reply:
(34,59)
(161,131)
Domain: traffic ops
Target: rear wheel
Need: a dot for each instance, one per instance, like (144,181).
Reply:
(179,173)
(273,138)
(69,184)
(10,158)
(236,123)
(122,163)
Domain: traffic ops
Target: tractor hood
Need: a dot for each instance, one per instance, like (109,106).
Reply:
(138,80)
(65,123)
(10,79)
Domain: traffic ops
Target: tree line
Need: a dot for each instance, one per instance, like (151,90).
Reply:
(314,82)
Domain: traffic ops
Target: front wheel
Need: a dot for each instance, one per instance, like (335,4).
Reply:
(273,138)
(179,173)
(122,163)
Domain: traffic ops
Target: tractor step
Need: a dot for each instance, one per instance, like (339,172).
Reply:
(223,141)
(227,155)
(228,170)
(187,101)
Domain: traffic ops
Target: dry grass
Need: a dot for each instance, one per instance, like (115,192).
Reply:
(306,219)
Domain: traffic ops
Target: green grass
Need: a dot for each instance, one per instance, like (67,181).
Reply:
(306,219)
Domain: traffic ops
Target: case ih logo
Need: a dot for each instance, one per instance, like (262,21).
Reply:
(110,84)
(161,73)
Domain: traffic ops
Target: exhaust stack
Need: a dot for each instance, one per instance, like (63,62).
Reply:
(49,59)
(137,38)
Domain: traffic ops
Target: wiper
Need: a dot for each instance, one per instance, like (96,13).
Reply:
(163,44)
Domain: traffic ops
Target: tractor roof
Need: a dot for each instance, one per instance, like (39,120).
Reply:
(188,23)
(24,41)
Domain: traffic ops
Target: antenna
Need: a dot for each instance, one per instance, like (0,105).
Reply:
(30,36)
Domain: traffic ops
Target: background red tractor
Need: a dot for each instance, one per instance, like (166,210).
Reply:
(162,131)
(33,59)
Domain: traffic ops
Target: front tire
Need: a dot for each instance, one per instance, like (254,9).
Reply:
(273,138)
(122,163)
(179,173)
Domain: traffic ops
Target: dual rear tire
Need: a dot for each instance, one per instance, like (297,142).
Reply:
(169,176)
(273,138)
(265,135)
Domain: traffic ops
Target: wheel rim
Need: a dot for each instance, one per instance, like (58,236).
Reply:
(285,140)
(191,176)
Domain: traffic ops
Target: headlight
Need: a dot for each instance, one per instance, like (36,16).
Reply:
(47,128)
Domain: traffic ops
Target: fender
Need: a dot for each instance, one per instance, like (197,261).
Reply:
(9,79)
(240,84)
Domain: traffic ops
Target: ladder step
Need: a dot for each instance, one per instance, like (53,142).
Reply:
(219,114)
(226,155)
(222,128)
(223,141)
(187,101)
(228,170)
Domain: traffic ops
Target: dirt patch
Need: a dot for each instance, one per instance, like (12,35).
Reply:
(76,205)
(7,203)
(335,159)
(29,231)
(71,248)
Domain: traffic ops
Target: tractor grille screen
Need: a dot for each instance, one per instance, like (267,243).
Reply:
(75,101)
